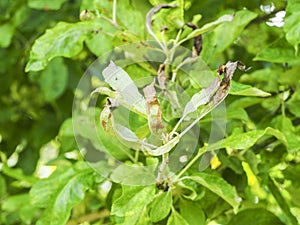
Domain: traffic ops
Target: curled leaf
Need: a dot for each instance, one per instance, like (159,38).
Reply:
(153,110)
(164,148)
(128,94)
(150,15)
(197,48)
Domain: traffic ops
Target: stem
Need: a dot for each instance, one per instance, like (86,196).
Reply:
(89,217)
(114,12)
(281,201)
(199,154)
(162,168)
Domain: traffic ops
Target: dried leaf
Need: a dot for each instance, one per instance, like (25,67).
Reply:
(161,77)
(201,98)
(197,48)
(153,110)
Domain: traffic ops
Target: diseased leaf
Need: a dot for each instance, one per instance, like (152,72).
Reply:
(219,186)
(161,206)
(129,96)
(202,97)
(164,148)
(155,122)
(257,216)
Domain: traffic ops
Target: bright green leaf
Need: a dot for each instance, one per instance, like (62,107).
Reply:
(176,219)
(7,31)
(46,4)
(247,90)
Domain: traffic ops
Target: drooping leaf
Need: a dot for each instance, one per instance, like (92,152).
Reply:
(161,206)
(258,216)
(219,186)
(60,192)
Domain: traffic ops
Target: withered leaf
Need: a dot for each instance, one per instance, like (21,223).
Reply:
(153,110)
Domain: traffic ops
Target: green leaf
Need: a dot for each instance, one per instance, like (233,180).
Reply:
(61,191)
(247,90)
(161,206)
(291,24)
(192,212)
(225,34)
(46,4)
(64,39)
(246,140)
(131,203)
(100,44)
(7,31)
(278,52)
(176,219)
(219,186)
(54,79)
(257,216)
(208,27)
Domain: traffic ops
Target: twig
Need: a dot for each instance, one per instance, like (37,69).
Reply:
(89,217)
